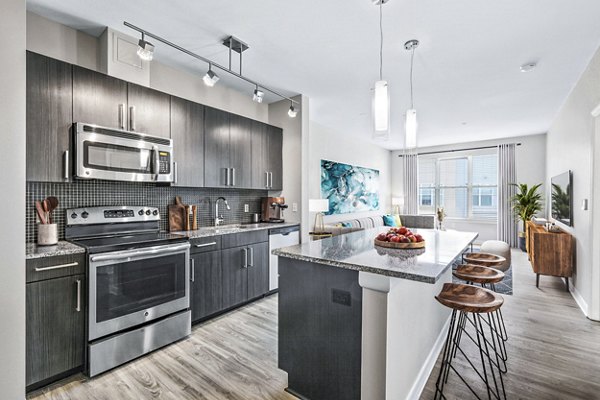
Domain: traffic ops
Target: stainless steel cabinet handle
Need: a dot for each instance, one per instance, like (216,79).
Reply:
(245,250)
(270,180)
(251,263)
(73,264)
(232,176)
(122,116)
(267,177)
(205,244)
(226,176)
(193,270)
(174,171)
(132,118)
(78,307)
(66,164)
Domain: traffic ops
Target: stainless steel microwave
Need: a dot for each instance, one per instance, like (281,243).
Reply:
(117,155)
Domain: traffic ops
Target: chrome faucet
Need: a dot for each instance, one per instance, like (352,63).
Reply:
(219,218)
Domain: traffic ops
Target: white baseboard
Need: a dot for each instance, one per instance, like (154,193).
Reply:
(425,372)
(578,299)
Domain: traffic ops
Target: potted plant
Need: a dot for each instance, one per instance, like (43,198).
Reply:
(526,203)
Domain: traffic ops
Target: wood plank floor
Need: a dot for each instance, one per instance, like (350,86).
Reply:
(554,353)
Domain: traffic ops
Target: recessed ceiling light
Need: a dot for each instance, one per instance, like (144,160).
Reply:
(528,67)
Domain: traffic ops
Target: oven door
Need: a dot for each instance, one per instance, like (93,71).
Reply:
(129,288)
(110,154)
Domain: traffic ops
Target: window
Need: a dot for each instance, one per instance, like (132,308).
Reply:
(465,186)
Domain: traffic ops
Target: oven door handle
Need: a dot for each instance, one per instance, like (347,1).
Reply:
(120,255)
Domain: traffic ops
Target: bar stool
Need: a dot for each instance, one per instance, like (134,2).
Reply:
(474,305)
(485,259)
(487,277)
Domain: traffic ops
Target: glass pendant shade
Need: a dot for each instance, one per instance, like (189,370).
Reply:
(411,128)
(381,110)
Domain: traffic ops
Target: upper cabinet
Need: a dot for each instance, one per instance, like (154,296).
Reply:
(49,119)
(148,111)
(240,154)
(217,171)
(99,99)
(267,143)
(187,132)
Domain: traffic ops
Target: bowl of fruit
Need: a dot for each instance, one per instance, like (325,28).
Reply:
(400,238)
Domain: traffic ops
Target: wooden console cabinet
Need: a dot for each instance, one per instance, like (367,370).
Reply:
(550,253)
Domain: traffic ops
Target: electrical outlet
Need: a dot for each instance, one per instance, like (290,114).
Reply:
(295,207)
(246,208)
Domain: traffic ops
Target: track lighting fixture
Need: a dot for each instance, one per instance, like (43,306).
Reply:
(145,49)
(258,95)
(210,78)
(292,112)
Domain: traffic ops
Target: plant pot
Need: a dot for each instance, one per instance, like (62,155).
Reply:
(522,241)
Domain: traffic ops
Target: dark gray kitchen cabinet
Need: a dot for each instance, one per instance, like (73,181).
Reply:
(227,150)
(99,99)
(258,270)
(275,157)
(55,332)
(240,154)
(49,119)
(187,132)
(234,264)
(148,111)
(206,285)
(267,144)
(216,148)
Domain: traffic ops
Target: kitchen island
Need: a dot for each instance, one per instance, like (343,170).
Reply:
(360,322)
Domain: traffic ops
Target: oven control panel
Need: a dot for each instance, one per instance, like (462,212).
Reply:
(111,215)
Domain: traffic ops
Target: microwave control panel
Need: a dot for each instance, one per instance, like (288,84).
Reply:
(164,162)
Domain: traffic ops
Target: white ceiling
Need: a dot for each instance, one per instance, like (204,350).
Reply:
(467,80)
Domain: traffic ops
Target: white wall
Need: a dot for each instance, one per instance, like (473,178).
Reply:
(12,193)
(67,44)
(569,147)
(327,144)
(292,154)
(530,163)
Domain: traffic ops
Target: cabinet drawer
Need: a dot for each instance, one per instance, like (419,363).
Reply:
(39,269)
(245,238)
(201,245)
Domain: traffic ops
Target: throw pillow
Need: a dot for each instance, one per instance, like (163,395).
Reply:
(389,220)
(397,219)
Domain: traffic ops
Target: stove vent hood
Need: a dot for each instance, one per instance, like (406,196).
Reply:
(118,57)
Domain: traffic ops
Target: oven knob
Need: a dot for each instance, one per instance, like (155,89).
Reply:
(148,212)
(141,212)
(155,212)
(84,214)
(146,314)
(74,215)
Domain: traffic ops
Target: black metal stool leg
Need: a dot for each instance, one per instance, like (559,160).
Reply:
(439,384)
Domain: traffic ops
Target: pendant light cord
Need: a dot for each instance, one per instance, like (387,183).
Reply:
(380,40)
(412,56)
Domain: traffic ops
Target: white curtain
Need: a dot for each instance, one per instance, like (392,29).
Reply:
(411,189)
(507,225)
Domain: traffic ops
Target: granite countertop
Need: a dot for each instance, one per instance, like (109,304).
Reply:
(230,229)
(357,251)
(63,248)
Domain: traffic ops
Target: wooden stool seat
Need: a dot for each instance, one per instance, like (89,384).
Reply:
(478,274)
(469,298)
(485,259)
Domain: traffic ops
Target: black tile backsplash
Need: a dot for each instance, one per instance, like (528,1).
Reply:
(106,193)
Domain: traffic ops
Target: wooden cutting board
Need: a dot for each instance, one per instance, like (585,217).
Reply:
(177,218)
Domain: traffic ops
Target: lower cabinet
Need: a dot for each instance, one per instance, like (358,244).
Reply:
(229,277)
(206,290)
(55,339)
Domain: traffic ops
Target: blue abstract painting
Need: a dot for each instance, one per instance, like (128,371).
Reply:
(349,188)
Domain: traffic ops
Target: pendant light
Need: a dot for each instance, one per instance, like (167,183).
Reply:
(411,124)
(381,93)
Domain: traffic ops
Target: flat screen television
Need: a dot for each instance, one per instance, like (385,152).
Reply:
(562,198)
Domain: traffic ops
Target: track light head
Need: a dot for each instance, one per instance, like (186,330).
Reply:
(145,49)
(292,112)
(258,95)
(210,78)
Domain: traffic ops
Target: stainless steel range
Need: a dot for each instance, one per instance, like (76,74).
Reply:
(138,282)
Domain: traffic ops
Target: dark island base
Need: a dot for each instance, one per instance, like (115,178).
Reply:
(320,330)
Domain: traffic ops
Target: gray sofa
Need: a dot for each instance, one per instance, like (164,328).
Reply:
(410,221)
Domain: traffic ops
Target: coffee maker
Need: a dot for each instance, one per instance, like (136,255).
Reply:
(272,209)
